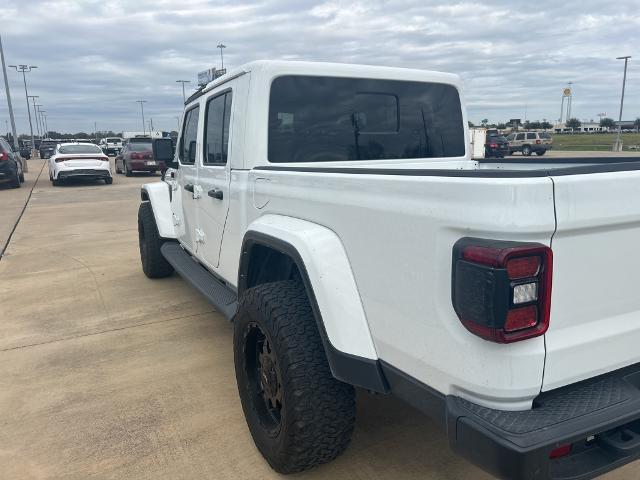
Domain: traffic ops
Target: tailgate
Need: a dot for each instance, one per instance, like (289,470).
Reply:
(595,305)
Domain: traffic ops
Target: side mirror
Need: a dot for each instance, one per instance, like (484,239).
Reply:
(163,152)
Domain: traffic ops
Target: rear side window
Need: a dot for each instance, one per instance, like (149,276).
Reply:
(321,119)
(531,136)
(187,151)
(216,133)
(545,136)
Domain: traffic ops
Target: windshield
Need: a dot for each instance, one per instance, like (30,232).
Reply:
(497,139)
(140,147)
(84,148)
(316,119)
(113,140)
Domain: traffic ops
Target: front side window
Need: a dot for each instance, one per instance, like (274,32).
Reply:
(319,119)
(216,138)
(520,136)
(188,141)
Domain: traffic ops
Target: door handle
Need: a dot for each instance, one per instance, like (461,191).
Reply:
(189,187)
(215,193)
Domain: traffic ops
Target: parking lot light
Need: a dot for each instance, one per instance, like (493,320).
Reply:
(184,97)
(617,146)
(26,69)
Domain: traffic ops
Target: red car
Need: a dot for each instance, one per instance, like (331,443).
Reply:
(137,157)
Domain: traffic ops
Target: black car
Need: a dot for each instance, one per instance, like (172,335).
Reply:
(47,148)
(25,151)
(10,166)
(496,146)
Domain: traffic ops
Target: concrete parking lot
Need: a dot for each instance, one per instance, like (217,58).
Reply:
(107,374)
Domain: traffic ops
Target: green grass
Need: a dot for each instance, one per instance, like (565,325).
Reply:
(592,141)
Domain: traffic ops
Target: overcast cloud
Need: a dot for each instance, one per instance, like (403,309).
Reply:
(97,57)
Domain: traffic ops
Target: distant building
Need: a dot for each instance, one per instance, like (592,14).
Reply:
(594,127)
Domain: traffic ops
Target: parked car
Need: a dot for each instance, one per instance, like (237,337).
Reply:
(79,160)
(137,156)
(530,142)
(10,165)
(47,147)
(496,146)
(352,245)
(111,145)
(25,151)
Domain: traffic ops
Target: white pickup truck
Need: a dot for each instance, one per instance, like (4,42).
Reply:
(334,214)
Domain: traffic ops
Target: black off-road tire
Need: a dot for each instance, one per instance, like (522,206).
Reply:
(526,151)
(541,152)
(108,180)
(317,413)
(154,265)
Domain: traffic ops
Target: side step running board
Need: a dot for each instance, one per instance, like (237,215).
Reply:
(220,295)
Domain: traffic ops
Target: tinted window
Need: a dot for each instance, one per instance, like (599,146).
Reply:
(315,119)
(497,139)
(511,137)
(546,136)
(85,148)
(189,136)
(520,136)
(216,133)
(140,147)
(531,136)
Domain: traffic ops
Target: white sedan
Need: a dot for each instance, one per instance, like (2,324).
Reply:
(79,160)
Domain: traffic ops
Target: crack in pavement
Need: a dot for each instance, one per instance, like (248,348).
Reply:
(73,337)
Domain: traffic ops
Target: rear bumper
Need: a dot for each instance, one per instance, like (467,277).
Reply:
(141,166)
(83,173)
(600,418)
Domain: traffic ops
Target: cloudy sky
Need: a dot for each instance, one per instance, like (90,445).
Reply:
(95,58)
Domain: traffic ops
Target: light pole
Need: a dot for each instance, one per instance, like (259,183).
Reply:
(184,97)
(33,98)
(38,119)
(142,102)
(26,69)
(13,122)
(44,127)
(221,46)
(617,146)
(46,124)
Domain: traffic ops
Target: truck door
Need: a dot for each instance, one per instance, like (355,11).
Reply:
(214,176)
(184,206)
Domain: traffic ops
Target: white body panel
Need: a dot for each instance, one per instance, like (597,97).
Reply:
(158,194)
(333,283)
(595,308)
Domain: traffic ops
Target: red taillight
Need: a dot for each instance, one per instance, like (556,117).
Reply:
(140,156)
(4,156)
(62,159)
(501,290)
(493,145)
(538,142)
(561,451)
(103,159)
